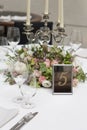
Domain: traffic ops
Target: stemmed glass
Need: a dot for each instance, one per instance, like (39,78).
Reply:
(19,73)
(29,91)
(13,37)
(76,39)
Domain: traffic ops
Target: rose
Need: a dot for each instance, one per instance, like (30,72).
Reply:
(37,73)
(41,79)
(20,67)
(75,82)
(47,63)
(27,58)
(46,84)
(54,62)
(75,69)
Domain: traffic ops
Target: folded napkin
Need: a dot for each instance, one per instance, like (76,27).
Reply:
(82,52)
(19,18)
(6,115)
(15,18)
(5,18)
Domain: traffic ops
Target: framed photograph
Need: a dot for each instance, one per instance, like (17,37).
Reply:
(62,79)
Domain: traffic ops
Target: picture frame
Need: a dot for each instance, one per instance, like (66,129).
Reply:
(62,79)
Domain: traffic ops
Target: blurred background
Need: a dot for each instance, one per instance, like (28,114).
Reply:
(75,12)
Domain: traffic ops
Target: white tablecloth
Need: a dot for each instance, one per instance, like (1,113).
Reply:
(56,112)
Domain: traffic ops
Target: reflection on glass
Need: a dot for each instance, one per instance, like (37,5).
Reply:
(76,39)
(13,36)
(29,91)
(19,73)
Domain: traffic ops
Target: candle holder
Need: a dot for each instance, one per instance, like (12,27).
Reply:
(29,34)
(44,33)
(46,18)
(59,35)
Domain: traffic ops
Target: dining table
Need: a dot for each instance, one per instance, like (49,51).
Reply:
(55,112)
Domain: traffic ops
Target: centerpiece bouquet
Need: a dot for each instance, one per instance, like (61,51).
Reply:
(39,60)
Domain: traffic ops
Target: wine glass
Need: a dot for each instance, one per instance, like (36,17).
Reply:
(29,91)
(76,39)
(3,41)
(13,37)
(19,73)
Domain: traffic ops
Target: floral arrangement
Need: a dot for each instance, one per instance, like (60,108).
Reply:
(39,60)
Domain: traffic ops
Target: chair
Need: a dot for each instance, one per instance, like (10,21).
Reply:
(36,26)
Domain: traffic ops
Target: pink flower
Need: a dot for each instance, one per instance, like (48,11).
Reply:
(75,69)
(35,60)
(75,82)
(54,62)
(27,58)
(47,63)
(41,79)
(37,73)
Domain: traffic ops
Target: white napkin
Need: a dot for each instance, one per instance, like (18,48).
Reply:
(5,18)
(15,18)
(19,18)
(82,52)
(6,115)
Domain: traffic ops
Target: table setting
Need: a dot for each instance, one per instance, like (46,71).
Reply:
(44,99)
(30,73)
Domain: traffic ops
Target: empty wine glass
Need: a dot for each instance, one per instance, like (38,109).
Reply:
(3,41)
(29,91)
(76,39)
(13,37)
(19,73)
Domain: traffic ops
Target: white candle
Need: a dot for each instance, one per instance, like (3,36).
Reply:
(61,14)
(46,6)
(28,13)
(59,11)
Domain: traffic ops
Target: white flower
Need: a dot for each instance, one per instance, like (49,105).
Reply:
(22,56)
(46,84)
(30,52)
(20,67)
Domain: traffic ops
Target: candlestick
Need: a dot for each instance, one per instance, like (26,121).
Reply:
(28,13)
(59,10)
(46,6)
(61,14)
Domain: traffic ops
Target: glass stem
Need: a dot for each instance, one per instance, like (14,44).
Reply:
(20,90)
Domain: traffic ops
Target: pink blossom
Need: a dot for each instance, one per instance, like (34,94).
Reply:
(25,49)
(37,73)
(41,79)
(27,58)
(35,60)
(47,63)
(54,62)
(75,69)
(75,82)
